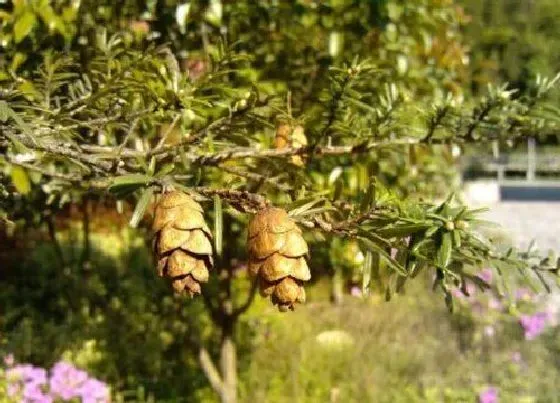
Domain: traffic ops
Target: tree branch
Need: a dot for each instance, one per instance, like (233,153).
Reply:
(211,371)
(240,199)
(250,298)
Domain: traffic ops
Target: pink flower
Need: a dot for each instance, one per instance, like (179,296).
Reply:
(488,395)
(66,380)
(28,383)
(94,391)
(533,325)
(27,373)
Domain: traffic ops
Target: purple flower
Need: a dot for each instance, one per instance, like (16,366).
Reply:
(27,373)
(33,393)
(66,380)
(533,325)
(28,382)
(488,395)
(457,293)
(94,391)
(486,275)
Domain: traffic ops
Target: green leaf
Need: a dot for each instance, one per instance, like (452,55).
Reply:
(485,223)
(456,238)
(444,252)
(184,159)
(303,208)
(431,231)
(372,246)
(24,25)
(18,59)
(21,180)
(5,111)
(166,169)
(366,272)
(338,188)
(542,280)
(218,225)
(368,197)
(152,166)
(126,184)
(141,206)
(402,230)
(132,179)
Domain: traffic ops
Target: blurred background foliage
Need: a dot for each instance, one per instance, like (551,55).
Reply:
(118,321)
(512,41)
(88,293)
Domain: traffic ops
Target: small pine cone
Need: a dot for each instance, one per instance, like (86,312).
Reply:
(288,136)
(298,141)
(182,242)
(282,137)
(277,256)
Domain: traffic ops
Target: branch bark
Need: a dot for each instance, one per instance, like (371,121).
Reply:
(211,371)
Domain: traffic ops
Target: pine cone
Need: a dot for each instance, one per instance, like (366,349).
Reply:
(282,137)
(182,242)
(277,256)
(286,136)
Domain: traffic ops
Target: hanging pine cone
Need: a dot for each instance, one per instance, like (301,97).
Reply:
(182,242)
(288,136)
(277,256)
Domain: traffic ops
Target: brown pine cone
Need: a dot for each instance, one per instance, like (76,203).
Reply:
(182,242)
(282,137)
(277,256)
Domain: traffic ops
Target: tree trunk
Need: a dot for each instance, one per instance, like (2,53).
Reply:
(337,287)
(224,381)
(228,362)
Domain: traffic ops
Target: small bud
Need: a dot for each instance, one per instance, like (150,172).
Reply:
(241,104)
